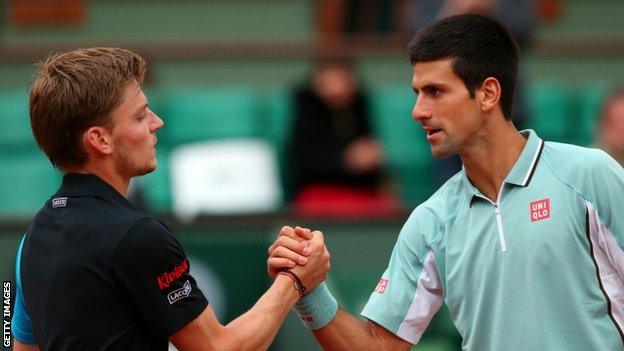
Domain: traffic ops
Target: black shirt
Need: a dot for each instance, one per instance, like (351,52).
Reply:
(320,138)
(99,275)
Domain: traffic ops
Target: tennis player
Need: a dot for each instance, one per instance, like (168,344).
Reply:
(92,272)
(525,245)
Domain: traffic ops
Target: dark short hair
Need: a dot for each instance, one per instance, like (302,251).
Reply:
(478,46)
(73,91)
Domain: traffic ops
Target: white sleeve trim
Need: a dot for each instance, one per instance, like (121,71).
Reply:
(427,301)
(610,260)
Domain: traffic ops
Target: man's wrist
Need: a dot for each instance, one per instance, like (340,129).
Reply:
(298,284)
(317,308)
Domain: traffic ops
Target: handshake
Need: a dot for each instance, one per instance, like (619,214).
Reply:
(302,255)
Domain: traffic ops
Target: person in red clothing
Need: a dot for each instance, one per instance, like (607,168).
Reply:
(337,164)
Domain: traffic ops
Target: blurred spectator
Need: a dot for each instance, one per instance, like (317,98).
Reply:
(517,15)
(340,20)
(366,16)
(336,162)
(610,136)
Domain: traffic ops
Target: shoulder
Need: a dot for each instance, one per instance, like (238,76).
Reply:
(443,204)
(575,163)
(592,173)
(568,156)
(147,236)
(147,228)
(429,217)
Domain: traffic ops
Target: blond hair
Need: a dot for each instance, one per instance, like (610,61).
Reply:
(75,90)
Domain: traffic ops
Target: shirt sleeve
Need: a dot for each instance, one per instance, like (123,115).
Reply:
(152,268)
(605,189)
(20,324)
(409,292)
(607,192)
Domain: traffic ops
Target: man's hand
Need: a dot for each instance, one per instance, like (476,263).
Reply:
(291,247)
(314,271)
(301,251)
(363,155)
(255,329)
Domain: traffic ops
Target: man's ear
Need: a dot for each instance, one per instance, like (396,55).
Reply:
(98,139)
(490,93)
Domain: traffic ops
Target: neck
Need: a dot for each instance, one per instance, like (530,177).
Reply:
(105,171)
(488,161)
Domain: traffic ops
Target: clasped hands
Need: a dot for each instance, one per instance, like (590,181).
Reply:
(301,251)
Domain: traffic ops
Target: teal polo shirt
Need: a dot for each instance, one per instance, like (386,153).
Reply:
(541,268)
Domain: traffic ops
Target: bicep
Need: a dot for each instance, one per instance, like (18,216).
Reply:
(389,340)
(410,291)
(202,333)
(158,283)
(346,332)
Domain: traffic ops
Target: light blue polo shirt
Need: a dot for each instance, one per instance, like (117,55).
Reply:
(541,268)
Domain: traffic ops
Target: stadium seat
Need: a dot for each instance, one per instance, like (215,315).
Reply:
(275,112)
(15,133)
(207,114)
(276,116)
(224,177)
(157,185)
(550,111)
(407,150)
(590,100)
(155,100)
(28,180)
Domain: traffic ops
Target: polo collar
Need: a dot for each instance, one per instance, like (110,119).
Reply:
(78,184)
(524,168)
(469,188)
(522,171)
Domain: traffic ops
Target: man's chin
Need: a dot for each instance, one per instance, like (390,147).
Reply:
(441,153)
(146,170)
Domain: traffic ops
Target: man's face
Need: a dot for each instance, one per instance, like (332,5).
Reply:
(336,86)
(134,133)
(450,117)
(613,125)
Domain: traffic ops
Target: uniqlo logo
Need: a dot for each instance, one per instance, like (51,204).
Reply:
(382,285)
(540,210)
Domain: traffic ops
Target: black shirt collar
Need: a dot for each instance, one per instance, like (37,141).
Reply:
(78,184)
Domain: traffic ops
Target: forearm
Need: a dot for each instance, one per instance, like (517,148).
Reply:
(346,332)
(253,330)
(256,329)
